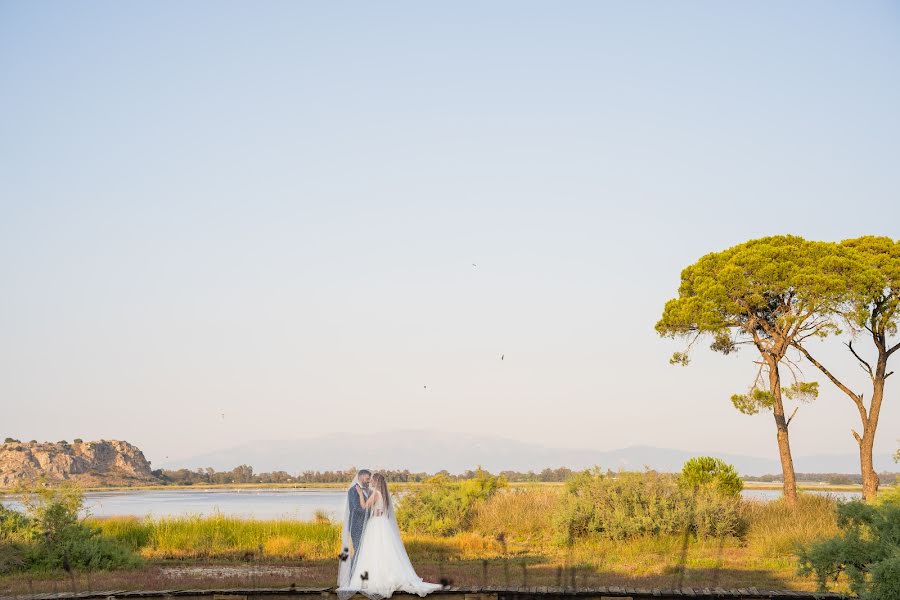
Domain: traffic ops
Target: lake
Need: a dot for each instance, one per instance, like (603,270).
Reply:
(258,503)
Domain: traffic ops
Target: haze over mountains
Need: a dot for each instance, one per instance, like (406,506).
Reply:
(435,450)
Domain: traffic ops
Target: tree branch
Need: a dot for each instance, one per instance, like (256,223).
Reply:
(857,398)
(868,367)
(791,418)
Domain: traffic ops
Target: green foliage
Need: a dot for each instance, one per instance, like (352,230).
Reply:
(751,402)
(630,505)
(444,507)
(14,529)
(769,283)
(875,298)
(867,550)
(706,471)
(53,537)
(758,399)
(223,537)
(804,391)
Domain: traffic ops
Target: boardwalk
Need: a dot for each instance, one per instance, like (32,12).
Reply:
(450,593)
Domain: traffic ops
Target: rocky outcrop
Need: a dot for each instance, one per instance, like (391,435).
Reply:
(106,462)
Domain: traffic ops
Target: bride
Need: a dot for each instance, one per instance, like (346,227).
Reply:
(379,566)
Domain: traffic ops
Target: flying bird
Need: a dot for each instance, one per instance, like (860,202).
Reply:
(502,356)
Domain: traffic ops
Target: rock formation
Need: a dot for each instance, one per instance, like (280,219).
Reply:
(106,462)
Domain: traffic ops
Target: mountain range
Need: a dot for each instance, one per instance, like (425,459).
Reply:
(418,450)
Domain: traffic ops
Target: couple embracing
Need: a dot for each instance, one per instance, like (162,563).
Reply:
(374,561)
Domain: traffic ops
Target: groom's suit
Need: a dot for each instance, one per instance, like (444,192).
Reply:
(357,515)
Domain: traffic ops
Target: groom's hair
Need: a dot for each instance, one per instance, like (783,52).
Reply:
(363,472)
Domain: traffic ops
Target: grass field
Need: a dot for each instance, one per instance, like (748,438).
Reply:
(510,542)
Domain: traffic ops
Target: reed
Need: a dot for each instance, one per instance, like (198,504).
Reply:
(223,537)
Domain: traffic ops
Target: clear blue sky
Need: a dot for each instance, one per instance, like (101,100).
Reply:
(271,210)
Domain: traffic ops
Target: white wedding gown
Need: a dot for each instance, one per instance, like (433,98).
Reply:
(382,566)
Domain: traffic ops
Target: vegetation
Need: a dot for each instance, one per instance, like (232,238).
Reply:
(766,293)
(706,471)
(444,507)
(632,505)
(867,551)
(244,474)
(870,307)
(52,536)
(644,529)
(222,537)
(779,293)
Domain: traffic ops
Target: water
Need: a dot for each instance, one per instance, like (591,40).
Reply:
(300,504)
(757,494)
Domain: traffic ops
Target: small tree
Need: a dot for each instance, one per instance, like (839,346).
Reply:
(715,472)
(61,540)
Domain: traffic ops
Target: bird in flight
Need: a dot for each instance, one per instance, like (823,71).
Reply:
(502,356)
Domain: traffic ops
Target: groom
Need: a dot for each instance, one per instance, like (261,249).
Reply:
(357,512)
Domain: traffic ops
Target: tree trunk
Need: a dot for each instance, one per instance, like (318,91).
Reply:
(869,476)
(784,443)
(870,425)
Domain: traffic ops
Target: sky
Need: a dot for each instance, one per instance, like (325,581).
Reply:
(229,221)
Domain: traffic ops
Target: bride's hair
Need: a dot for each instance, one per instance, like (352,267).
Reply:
(380,484)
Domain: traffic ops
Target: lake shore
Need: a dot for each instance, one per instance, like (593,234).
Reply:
(749,485)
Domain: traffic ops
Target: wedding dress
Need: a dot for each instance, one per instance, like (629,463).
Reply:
(381,566)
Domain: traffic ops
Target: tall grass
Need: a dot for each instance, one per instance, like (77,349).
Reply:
(523,515)
(776,529)
(224,537)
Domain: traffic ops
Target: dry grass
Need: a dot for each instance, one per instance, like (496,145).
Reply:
(521,515)
(525,554)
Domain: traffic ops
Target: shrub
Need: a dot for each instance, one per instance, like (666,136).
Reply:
(58,539)
(867,550)
(444,507)
(14,528)
(630,505)
(703,471)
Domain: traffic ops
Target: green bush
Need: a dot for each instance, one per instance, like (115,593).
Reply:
(444,507)
(629,505)
(55,537)
(704,471)
(867,550)
(14,528)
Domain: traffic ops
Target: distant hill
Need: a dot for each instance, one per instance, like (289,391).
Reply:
(104,462)
(435,450)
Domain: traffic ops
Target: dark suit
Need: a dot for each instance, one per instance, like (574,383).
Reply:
(357,517)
